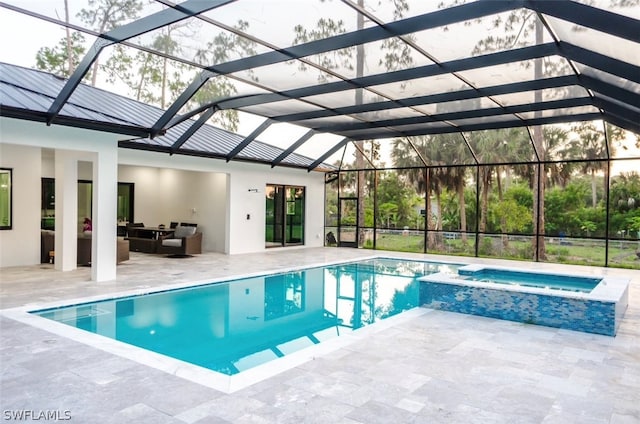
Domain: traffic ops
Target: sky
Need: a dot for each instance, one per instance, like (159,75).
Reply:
(15,26)
(18,26)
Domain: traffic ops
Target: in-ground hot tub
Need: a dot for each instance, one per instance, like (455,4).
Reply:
(580,303)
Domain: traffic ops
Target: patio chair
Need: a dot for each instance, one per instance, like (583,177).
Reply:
(140,240)
(184,241)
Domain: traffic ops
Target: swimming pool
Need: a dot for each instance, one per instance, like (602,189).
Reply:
(233,326)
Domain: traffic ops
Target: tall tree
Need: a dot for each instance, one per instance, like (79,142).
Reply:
(223,47)
(438,150)
(63,58)
(70,64)
(516,29)
(105,15)
(395,55)
(593,146)
(152,78)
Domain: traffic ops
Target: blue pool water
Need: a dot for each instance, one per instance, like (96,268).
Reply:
(531,279)
(233,326)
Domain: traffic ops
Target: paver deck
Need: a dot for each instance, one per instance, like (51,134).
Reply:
(437,367)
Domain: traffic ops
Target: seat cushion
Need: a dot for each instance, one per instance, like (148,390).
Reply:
(172,242)
(182,231)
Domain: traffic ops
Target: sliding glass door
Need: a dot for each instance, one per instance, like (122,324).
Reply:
(284,223)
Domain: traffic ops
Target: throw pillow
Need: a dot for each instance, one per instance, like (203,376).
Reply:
(184,231)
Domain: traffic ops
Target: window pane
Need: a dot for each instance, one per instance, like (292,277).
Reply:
(6,200)
(295,215)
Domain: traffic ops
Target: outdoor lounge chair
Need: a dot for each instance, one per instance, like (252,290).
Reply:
(140,240)
(184,241)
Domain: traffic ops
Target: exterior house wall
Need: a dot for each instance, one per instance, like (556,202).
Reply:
(163,195)
(212,193)
(207,178)
(21,244)
(248,234)
(79,146)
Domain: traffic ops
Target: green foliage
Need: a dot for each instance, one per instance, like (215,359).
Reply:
(56,59)
(633,223)
(511,216)
(625,192)
(588,216)
(521,194)
(486,247)
(151,78)
(333,60)
(561,206)
(105,15)
(222,48)
(397,201)
(388,213)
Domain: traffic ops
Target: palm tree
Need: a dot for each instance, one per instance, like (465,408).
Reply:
(495,149)
(556,144)
(592,144)
(404,156)
(450,149)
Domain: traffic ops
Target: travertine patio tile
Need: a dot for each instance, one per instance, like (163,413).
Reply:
(438,367)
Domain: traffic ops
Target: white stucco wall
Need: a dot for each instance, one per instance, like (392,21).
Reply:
(84,145)
(241,235)
(164,195)
(21,245)
(248,235)
(166,188)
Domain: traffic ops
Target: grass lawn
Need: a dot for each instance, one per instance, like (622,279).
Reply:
(574,251)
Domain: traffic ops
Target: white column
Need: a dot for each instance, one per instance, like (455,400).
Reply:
(66,192)
(105,203)
(227,217)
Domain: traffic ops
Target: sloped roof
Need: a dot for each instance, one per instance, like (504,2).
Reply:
(28,94)
(370,70)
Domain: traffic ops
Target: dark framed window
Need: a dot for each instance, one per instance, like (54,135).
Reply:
(285,209)
(85,187)
(6,198)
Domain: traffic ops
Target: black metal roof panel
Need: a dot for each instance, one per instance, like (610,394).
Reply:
(33,91)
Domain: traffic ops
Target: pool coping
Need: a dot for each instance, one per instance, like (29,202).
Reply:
(197,374)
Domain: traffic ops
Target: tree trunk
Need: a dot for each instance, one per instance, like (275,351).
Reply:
(439,239)
(594,192)
(163,95)
(94,71)
(70,65)
(538,203)
(359,157)
(485,176)
(463,212)
(503,219)
(428,225)
(143,73)
(539,174)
